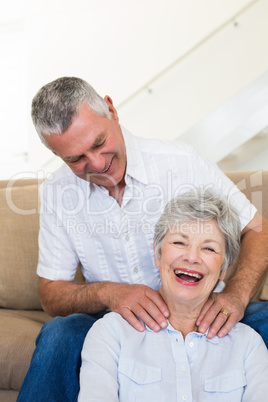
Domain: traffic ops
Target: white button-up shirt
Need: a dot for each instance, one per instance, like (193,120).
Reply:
(120,364)
(80,222)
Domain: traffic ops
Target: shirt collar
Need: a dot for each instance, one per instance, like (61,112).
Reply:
(73,179)
(135,163)
(170,328)
(85,185)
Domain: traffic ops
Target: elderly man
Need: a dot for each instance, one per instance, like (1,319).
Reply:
(99,211)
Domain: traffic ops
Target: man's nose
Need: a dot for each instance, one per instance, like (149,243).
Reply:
(96,162)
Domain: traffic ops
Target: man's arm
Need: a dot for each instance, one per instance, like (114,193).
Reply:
(251,269)
(63,298)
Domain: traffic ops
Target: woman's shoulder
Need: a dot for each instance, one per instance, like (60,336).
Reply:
(113,322)
(241,328)
(115,331)
(244,334)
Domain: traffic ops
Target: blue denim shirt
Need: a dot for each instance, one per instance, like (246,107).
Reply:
(122,364)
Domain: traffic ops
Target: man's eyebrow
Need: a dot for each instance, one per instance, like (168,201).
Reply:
(95,144)
(71,158)
(98,141)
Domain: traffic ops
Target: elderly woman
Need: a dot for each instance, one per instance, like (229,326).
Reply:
(196,239)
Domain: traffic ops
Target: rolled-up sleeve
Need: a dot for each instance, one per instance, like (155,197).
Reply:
(57,257)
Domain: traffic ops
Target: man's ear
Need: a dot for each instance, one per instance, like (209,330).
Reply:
(112,109)
(156,260)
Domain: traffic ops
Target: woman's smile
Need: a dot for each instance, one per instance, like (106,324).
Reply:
(188,277)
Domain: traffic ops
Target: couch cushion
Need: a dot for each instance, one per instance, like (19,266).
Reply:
(19,247)
(8,396)
(264,290)
(18,332)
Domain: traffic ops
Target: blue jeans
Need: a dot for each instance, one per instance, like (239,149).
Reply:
(53,375)
(54,372)
(256,316)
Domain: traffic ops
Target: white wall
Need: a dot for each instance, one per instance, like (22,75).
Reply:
(214,71)
(257,163)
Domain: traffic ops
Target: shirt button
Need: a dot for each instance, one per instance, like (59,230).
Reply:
(184,397)
(127,237)
(136,270)
(183,368)
(191,344)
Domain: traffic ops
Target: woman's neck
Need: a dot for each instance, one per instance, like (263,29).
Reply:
(183,316)
(184,324)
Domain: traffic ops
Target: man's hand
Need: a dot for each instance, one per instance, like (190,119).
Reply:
(252,263)
(138,300)
(212,312)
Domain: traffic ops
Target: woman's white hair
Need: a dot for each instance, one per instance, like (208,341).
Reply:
(201,205)
(57,103)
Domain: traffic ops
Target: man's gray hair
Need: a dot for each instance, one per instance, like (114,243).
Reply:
(201,205)
(57,103)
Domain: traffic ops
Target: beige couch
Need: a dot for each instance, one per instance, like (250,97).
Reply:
(21,315)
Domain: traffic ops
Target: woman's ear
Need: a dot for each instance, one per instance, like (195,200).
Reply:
(156,260)
(222,276)
(112,109)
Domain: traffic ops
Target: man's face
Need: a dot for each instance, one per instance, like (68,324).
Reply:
(93,147)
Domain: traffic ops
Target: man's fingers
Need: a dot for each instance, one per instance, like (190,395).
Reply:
(140,312)
(212,317)
(204,310)
(230,322)
(148,312)
(134,302)
(222,325)
(156,310)
(208,318)
(220,314)
(157,301)
(147,319)
(132,320)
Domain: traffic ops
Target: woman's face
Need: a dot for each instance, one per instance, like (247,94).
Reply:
(191,258)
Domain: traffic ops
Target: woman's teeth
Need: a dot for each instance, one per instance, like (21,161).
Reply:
(180,273)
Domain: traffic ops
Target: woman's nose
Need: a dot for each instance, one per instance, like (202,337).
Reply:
(192,255)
